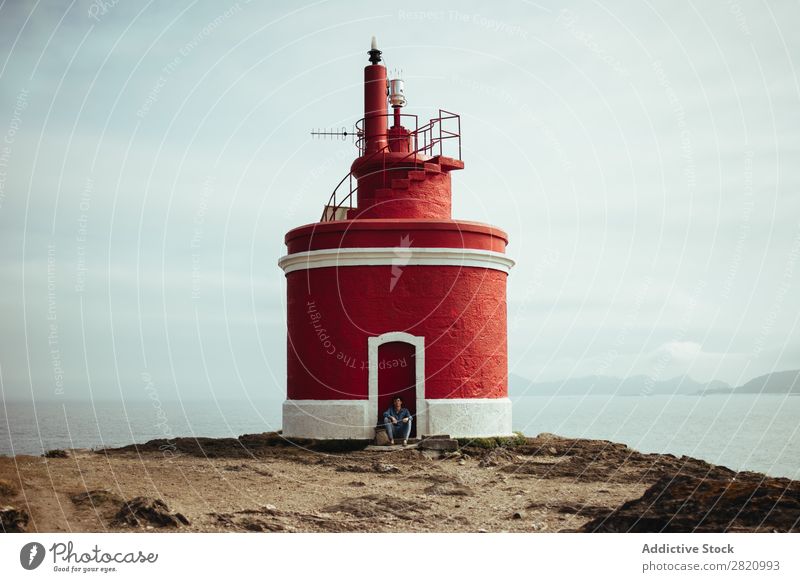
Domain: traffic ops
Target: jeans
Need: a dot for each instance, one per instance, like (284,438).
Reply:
(401,429)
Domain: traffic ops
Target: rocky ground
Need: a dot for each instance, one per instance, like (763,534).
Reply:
(263,483)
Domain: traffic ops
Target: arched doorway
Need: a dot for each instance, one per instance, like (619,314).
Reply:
(396,377)
(397,367)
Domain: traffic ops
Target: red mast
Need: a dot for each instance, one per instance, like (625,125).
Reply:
(375,112)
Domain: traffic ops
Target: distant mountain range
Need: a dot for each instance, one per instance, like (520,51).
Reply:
(787,382)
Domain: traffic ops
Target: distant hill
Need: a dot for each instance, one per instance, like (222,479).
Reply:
(775,383)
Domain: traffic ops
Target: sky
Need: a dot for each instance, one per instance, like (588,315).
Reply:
(642,156)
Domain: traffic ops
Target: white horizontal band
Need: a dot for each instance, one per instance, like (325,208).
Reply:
(396,256)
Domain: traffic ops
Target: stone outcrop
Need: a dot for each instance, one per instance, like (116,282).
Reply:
(696,504)
(13,520)
(146,511)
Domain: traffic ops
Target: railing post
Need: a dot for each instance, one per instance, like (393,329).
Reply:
(458,117)
(440,132)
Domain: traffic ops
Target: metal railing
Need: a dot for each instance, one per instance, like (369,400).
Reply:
(406,117)
(428,140)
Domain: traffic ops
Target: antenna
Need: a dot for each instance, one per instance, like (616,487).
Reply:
(342,133)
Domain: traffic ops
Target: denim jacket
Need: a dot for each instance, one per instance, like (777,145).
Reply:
(398,415)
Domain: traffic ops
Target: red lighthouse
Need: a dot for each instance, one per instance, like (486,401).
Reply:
(388,295)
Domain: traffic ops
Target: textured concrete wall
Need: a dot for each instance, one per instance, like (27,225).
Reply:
(461,312)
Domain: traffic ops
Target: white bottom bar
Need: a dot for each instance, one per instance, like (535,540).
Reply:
(563,556)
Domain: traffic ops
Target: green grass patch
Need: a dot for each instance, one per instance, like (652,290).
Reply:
(494,442)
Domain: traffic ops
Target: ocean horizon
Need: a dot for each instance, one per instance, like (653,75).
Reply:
(742,432)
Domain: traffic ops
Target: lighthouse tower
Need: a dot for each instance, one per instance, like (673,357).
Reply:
(388,296)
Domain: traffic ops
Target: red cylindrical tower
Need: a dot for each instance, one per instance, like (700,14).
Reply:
(391,296)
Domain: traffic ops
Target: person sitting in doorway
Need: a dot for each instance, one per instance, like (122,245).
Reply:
(397,420)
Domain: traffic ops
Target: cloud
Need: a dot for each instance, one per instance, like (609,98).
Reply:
(684,352)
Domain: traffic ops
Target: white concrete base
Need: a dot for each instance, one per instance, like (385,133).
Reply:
(469,417)
(355,419)
(328,419)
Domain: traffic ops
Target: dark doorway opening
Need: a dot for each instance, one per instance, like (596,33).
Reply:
(397,377)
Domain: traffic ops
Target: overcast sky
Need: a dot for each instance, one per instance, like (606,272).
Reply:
(642,156)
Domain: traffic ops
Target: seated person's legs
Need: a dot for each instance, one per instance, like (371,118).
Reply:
(389,430)
(407,429)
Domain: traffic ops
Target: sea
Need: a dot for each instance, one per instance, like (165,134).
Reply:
(742,432)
